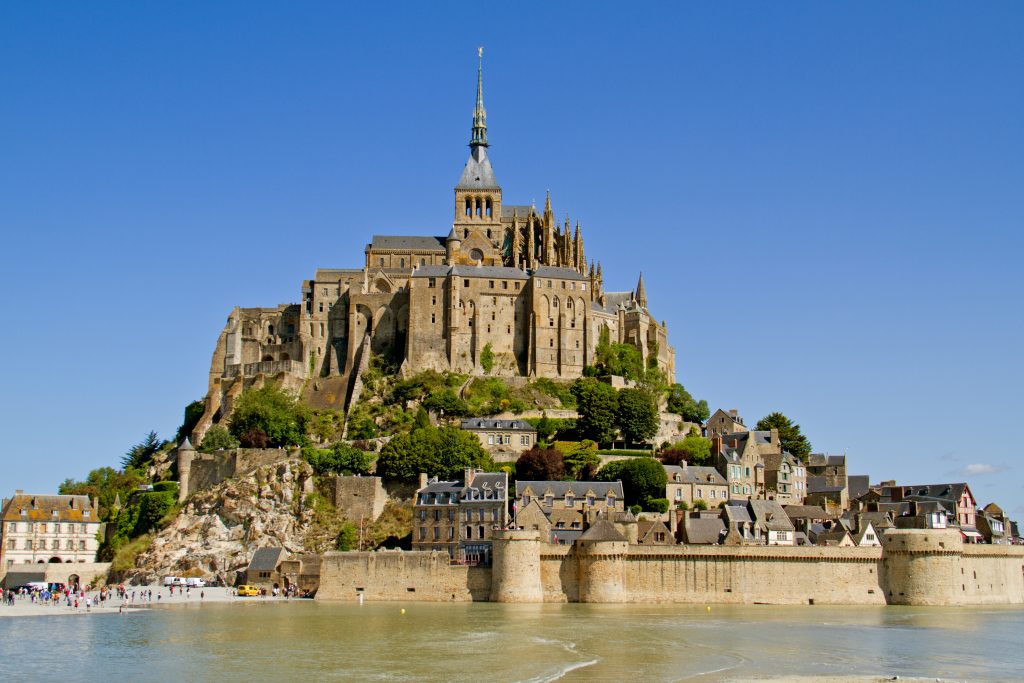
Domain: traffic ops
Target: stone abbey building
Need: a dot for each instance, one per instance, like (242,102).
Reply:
(505,275)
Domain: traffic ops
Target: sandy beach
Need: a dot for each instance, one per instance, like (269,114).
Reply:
(24,607)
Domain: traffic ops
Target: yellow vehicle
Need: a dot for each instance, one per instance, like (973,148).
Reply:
(248,591)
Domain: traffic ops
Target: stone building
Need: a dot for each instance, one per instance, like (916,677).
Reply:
(509,278)
(460,518)
(686,484)
(44,529)
(785,478)
(724,422)
(502,437)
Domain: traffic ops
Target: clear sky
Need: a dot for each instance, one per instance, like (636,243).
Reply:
(826,199)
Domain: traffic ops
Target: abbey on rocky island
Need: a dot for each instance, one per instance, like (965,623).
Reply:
(508,277)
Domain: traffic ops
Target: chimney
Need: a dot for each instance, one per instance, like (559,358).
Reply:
(423,480)
(468,475)
(716,445)
(734,412)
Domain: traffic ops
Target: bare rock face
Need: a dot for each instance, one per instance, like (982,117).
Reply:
(217,531)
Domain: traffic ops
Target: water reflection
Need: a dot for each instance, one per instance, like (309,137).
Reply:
(376,642)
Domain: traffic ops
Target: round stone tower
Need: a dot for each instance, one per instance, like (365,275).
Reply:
(185,455)
(601,556)
(922,566)
(515,570)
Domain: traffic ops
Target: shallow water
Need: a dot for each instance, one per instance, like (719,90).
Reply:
(309,641)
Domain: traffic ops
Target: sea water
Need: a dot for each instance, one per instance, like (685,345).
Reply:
(307,641)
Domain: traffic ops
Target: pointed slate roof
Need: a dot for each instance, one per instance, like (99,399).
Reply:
(602,530)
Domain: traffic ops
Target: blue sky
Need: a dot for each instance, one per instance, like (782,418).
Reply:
(825,199)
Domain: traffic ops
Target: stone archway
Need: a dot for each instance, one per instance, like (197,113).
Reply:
(74,580)
(54,560)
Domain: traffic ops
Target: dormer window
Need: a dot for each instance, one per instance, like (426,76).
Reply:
(549,500)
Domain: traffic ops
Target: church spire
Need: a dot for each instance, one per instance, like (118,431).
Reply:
(479,114)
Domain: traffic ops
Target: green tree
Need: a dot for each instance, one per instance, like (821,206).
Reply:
(700,504)
(218,437)
(348,537)
(789,434)
(422,419)
(439,451)
(141,454)
(446,402)
(338,459)
(105,484)
(636,415)
(643,480)
(694,450)
(153,506)
(546,427)
(581,460)
(193,413)
(487,358)
(683,404)
(596,403)
(541,464)
(275,412)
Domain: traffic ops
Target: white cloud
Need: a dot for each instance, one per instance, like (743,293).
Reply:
(978,468)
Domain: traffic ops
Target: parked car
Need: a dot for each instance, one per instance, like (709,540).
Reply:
(192,582)
(174,581)
(248,591)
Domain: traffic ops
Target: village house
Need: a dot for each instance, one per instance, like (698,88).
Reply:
(654,532)
(686,485)
(505,440)
(785,478)
(759,522)
(955,497)
(738,459)
(272,567)
(458,517)
(724,422)
(562,510)
(701,528)
(44,529)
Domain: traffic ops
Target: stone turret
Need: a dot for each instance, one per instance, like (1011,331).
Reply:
(186,453)
(922,567)
(515,573)
(601,555)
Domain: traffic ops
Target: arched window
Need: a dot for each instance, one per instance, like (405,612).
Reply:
(479,207)
(469,207)
(488,211)
(554,302)
(402,262)
(270,330)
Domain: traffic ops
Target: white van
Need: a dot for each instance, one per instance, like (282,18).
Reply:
(195,583)
(174,581)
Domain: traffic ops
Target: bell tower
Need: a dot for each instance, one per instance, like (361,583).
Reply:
(478,195)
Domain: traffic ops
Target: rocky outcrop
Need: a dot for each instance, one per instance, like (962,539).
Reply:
(218,529)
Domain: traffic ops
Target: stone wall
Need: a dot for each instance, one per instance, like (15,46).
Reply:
(912,568)
(209,469)
(359,497)
(395,575)
(86,573)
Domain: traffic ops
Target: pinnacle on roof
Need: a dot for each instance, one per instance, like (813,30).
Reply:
(479,114)
(478,174)
(641,292)
(186,445)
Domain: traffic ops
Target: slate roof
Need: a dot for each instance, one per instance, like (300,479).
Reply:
(737,512)
(822,460)
(488,481)
(770,514)
(484,423)
(431,271)
(806,512)
(951,492)
(694,475)
(40,508)
(601,530)
(647,528)
(411,242)
(439,493)
(500,272)
(816,484)
(579,488)
(478,174)
(558,272)
(834,536)
(612,301)
(858,485)
(520,210)
(706,531)
(266,559)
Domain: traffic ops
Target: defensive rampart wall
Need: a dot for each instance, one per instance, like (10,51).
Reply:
(912,568)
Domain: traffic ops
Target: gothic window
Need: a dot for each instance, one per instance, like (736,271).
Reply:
(489,213)
(568,303)
(554,302)
(479,207)
(469,207)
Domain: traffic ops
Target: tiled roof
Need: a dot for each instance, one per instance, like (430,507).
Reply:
(602,530)
(266,559)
